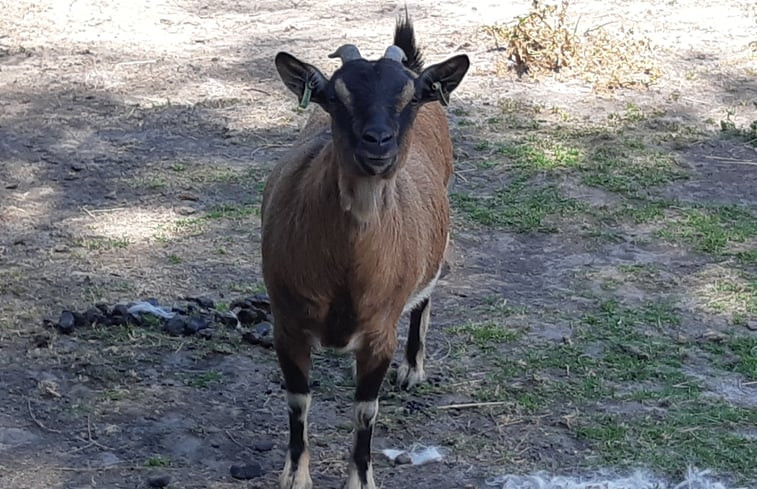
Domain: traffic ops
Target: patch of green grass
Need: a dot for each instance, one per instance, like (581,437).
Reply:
(746,134)
(541,154)
(520,207)
(174,259)
(102,243)
(233,211)
(735,353)
(701,432)
(202,380)
(485,335)
(158,461)
(712,229)
(628,168)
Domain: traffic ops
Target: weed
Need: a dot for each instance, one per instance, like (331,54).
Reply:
(520,207)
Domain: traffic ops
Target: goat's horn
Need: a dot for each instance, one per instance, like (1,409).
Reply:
(348,52)
(396,53)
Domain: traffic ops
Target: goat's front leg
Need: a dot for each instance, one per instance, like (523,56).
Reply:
(294,360)
(371,369)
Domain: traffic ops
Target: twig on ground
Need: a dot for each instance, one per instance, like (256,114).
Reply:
(38,422)
(472,405)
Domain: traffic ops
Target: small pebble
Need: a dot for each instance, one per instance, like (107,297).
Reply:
(160,481)
(263,446)
(66,322)
(247,471)
(264,329)
(403,459)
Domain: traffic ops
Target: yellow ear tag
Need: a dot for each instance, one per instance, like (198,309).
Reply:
(305,100)
(443,98)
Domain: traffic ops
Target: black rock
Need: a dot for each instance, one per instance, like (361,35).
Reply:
(263,446)
(195,324)
(228,319)
(66,322)
(175,326)
(240,303)
(160,481)
(260,300)
(48,323)
(247,471)
(135,319)
(180,310)
(94,315)
(79,319)
(203,302)
(247,317)
(207,333)
(261,335)
(103,307)
(120,310)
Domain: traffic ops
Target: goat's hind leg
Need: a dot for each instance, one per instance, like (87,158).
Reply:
(294,360)
(410,373)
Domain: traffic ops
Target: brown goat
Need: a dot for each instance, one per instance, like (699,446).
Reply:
(355,227)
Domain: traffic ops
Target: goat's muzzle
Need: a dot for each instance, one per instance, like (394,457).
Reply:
(373,165)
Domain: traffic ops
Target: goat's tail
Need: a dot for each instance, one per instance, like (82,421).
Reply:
(404,37)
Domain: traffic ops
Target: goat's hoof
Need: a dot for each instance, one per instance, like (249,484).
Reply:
(295,480)
(353,482)
(408,377)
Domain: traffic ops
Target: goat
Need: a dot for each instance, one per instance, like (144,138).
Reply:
(355,227)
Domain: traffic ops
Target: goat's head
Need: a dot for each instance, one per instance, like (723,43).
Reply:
(372,103)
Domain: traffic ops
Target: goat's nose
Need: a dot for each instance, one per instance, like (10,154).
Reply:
(377,136)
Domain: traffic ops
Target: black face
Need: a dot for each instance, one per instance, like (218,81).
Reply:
(372,105)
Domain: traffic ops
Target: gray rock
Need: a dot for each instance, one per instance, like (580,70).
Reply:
(159,481)
(14,437)
(263,446)
(247,471)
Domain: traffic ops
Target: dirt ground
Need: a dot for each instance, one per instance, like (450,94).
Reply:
(134,141)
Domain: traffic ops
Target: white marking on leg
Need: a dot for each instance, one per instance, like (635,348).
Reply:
(299,478)
(364,415)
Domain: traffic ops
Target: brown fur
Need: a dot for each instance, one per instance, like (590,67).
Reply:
(326,253)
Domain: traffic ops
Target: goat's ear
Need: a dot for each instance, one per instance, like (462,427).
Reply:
(305,80)
(437,81)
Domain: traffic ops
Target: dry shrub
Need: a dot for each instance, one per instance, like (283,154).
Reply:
(546,41)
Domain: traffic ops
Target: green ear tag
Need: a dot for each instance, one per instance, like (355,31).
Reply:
(443,98)
(305,100)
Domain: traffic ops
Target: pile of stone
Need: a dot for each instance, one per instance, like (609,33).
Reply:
(192,316)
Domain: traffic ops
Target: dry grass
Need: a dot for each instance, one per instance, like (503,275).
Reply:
(546,41)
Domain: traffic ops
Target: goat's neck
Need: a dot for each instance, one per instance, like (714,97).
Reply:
(365,198)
